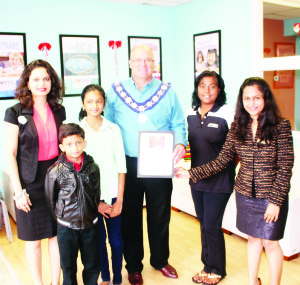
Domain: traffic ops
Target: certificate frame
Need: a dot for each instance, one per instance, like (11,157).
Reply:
(76,75)
(208,45)
(155,151)
(11,44)
(155,44)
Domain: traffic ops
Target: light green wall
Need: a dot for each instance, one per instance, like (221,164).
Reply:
(233,18)
(43,21)
(288,31)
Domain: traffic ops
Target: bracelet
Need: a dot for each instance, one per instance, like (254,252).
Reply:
(21,194)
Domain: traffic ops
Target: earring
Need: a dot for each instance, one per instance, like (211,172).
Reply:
(28,89)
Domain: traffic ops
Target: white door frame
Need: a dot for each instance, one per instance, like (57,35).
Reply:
(259,63)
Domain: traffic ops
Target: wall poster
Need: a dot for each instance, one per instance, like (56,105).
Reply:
(12,62)
(207,52)
(80,64)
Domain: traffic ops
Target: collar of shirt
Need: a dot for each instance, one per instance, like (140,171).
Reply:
(214,109)
(84,124)
(77,165)
(145,88)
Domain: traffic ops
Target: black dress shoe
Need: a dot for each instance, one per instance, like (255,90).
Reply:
(169,271)
(135,278)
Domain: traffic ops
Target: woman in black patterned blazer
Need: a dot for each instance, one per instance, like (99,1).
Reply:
(263,142)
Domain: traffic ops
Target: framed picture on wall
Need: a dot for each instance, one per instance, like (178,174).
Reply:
(155,45)
(207,52)
(284,49)
(12,61)
(283,79)
(80,62)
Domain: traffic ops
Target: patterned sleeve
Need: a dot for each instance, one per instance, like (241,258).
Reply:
(211,168)
(285,162)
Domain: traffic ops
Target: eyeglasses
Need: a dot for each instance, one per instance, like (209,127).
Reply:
(140,60)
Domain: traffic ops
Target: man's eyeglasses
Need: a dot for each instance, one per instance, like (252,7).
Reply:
(139,60)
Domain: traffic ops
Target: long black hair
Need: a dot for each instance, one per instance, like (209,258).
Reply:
(221,99)
(88,88)
(269,117)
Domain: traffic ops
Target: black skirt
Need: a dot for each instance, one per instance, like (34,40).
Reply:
(250,218)
(38,223)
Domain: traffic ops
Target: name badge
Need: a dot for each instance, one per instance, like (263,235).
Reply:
(212,125)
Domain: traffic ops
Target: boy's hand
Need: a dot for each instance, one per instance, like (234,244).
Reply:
(103,209)
(116,209)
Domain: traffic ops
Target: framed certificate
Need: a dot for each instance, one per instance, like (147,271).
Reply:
(155,154)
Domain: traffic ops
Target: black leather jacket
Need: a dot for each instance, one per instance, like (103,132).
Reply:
(72,196)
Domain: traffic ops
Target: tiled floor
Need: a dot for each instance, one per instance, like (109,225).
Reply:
(7,274)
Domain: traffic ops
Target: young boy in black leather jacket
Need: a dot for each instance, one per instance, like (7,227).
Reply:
(72,189)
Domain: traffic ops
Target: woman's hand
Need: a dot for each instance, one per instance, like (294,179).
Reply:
(179,152)
(272,213)
(181,173)
(104,208)
(23,203)
(116,209)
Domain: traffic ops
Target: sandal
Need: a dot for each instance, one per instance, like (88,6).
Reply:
(213,276)
(199,277)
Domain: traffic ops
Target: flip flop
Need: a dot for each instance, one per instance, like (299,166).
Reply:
(196,279)
(214,276)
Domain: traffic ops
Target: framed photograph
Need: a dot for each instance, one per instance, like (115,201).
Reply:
(284,49)
(80,62)
(207,52)
(155,45)
(283,79)
(155,154)
(12,61)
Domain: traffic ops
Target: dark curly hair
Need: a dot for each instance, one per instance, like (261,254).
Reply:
(269,117)
(23,94)
(221,99)
(88,88)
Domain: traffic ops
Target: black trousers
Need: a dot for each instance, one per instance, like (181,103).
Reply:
(158,203)
(87,241)
(210,209)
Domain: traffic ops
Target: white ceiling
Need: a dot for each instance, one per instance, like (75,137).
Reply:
(165,3)
(280,10)
(273,9)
